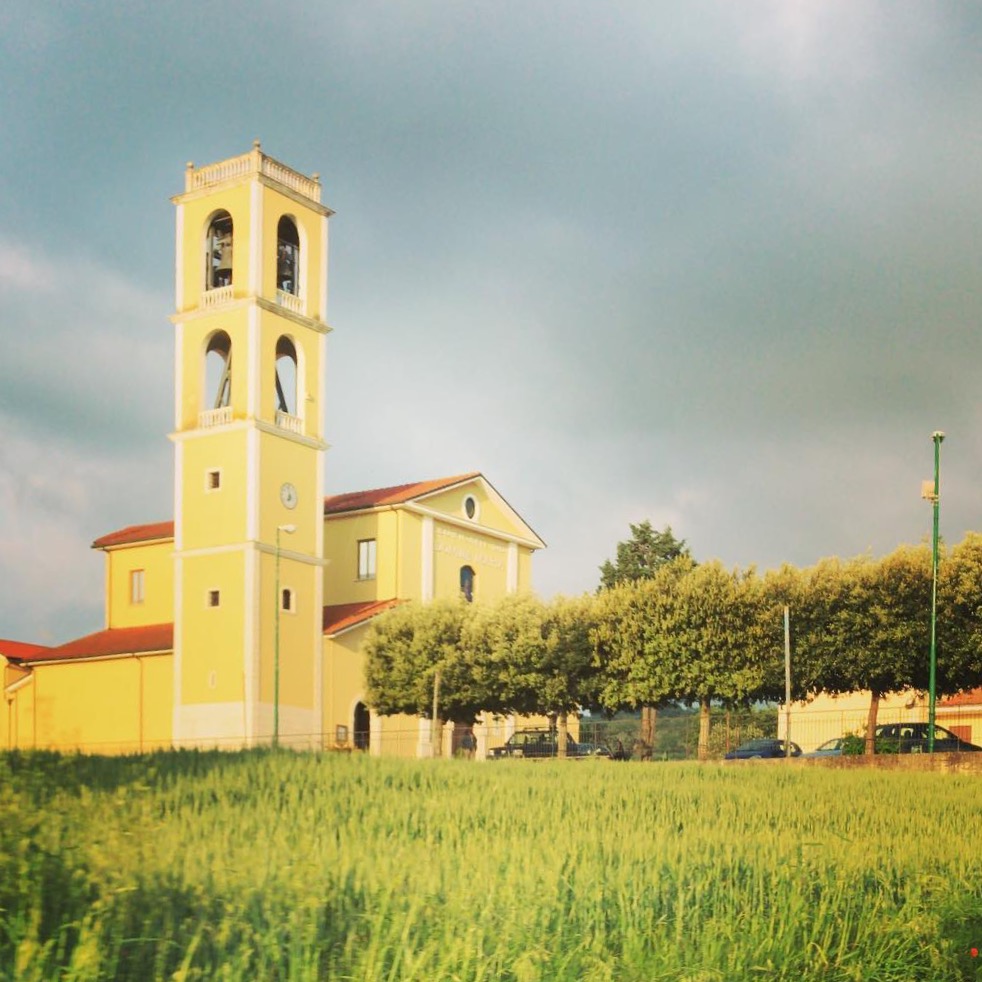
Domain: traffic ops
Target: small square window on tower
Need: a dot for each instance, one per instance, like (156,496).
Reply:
(214,598)
(213,480)
(136,586)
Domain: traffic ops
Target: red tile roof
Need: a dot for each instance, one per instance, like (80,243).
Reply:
(401,493)
(135,533)
(971,698)
(113,641)
(16,650)
(340,617)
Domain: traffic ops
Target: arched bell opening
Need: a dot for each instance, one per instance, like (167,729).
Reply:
(287,377)
(218,251)
(218,373)
(288,257)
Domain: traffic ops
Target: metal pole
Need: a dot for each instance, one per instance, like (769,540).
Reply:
(276,649)
(937,437)
(787,681)
(435,747)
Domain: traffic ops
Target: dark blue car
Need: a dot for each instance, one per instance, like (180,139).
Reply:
(763,748)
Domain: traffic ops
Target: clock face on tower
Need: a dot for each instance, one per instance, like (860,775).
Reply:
(288,495)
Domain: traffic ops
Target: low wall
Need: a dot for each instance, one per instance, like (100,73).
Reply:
(945,763)
(954,763)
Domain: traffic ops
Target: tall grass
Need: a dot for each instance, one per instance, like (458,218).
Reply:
(256,866)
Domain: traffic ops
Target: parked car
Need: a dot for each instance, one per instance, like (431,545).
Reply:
(543,743)
(763,748)
(831,748)
(912,738)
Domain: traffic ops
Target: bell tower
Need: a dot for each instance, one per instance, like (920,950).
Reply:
(251,299)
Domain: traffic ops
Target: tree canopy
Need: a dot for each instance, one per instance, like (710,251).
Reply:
(641,556)
(688,633)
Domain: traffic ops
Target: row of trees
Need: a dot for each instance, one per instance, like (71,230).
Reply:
(687,632)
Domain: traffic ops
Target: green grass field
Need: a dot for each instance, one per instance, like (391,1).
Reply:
(259,866)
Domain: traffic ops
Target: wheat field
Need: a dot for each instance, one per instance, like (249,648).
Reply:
(295,867)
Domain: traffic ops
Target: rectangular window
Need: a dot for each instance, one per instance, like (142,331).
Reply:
(136,586)
(214,598)
(287,600)
(213,480)
(366,559)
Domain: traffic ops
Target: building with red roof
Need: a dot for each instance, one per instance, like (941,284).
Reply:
(241,620)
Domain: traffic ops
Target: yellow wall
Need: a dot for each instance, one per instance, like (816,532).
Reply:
(825,717)
(489,512)
(341,536)
(455,547)
(156,559)
(398,532)
(110,706)
(285,460)
(343,680)
(213,518)
(213,638)
(344,686)
(407,569)
(962,716)
(299,641)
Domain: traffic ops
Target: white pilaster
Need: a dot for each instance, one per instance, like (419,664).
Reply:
(426,560)
(176,728)
(250,655)
(255,239)
(511,573)
(179,260)
(323,270)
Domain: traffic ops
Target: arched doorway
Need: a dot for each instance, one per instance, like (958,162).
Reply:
(362,728)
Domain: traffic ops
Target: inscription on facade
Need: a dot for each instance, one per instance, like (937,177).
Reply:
(470,548)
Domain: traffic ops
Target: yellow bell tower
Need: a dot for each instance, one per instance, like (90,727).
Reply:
(251,299)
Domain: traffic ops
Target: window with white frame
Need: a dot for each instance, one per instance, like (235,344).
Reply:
(213,480)
(288,600)
(366,559)
(137,577)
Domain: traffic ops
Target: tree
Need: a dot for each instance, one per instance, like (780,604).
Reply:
(690,633)
(405,649)
(640,558)
(714,641)
(538,655)
(631,638)
(959,634)
(864,624)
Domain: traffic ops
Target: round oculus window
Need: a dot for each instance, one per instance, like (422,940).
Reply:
(470,506)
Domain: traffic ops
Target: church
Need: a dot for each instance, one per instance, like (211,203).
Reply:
(241,621)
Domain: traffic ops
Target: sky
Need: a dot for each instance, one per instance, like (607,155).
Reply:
(715,265)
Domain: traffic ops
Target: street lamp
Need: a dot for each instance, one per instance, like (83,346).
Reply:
(289,529)
(933,494)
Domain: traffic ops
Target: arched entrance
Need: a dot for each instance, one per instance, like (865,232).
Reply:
(362,728)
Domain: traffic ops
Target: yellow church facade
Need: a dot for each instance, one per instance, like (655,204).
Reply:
(241,621)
